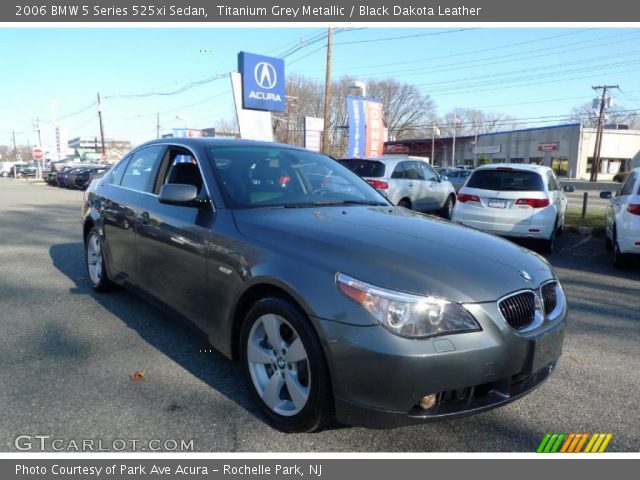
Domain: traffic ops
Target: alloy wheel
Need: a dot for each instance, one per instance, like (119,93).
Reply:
(279,365)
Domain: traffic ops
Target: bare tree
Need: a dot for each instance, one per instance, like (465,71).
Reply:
(406,110)
(472,122)
(588,116)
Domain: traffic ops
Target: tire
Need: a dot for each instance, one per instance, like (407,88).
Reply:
(608,245)
(95,263)
(289,384)
(548,246)
(447,209)
(620,260)
(405,203)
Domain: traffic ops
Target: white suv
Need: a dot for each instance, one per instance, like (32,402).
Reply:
(622,220)
(408,182)
(513,200)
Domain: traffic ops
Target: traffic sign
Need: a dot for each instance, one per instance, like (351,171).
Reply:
(37,153)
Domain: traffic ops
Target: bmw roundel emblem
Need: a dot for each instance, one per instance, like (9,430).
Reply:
(525,275)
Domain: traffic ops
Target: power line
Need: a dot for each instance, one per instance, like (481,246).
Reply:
(386,39)
(468,52)
(512,58)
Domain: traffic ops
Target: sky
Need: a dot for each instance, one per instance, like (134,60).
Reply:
(536,75)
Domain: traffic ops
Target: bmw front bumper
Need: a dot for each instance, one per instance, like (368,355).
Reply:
(379,378)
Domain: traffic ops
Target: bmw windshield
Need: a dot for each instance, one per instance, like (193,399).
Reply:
(265,176)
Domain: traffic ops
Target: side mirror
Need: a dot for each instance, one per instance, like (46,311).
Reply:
(177,194)
(569,188)
(606,195)
(444,178)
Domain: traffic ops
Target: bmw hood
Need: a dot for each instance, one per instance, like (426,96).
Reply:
(394,248)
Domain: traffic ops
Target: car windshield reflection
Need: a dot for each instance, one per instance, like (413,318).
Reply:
(265,176)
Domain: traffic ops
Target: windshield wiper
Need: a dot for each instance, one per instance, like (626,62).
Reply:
(350,202)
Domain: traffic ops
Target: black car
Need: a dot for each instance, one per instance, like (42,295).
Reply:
(85,176)
(335,302)
(25,170)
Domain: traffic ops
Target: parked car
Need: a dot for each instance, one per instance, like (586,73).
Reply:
(6,169)
(61,176)
(77,177)
(86,175)
(335,302)
(457,177)
(514,200)
(23,170)
(408,182)
(622,220)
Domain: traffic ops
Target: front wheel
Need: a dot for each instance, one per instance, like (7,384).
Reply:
(284,366)
(447,209)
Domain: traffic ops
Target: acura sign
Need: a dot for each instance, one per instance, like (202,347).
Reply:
(262,82)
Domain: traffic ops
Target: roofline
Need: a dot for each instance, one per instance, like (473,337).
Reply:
(429,139)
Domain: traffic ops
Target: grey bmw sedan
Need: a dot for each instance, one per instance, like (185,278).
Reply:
(337,304)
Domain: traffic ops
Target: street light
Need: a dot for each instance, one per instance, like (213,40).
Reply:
(184,118)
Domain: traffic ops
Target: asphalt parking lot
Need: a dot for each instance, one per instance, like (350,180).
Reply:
(67,354)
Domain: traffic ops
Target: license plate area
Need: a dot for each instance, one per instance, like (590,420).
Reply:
(546,348)
(497,203)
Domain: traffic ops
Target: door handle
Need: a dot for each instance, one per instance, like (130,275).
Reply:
(144,218)
(410,184)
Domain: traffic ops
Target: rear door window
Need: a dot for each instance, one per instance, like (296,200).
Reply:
(364,168)
(627,188)
(142,168)
(398,172)
(552,181)
(412,171)
(117,172)
(506,180)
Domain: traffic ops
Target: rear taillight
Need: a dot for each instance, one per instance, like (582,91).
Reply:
(378,184)
(464,198)
(634,208)
(533,202)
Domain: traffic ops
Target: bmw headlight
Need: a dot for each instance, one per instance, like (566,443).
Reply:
(406,314)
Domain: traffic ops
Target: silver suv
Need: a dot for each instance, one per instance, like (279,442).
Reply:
(408,182)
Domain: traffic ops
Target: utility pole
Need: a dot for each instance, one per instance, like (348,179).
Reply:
(453,149)
(595,167)
(101,126)
(158,125)
(327,94)
(15,149)
(38,130)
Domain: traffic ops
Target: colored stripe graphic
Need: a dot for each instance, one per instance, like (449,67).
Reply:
(574,442)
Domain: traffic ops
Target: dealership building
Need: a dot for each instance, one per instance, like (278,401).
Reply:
(568,149)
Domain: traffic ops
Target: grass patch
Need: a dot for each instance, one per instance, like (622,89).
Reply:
(593,219)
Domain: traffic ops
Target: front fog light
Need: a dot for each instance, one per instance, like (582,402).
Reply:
(407,314)
(427,402)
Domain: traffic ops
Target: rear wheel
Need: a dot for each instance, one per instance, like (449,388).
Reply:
(405,203)
(620,260)
(547,246)
(96,266)
(284,366)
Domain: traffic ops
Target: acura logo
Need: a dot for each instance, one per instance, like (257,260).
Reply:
(525,275)
(265,75)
